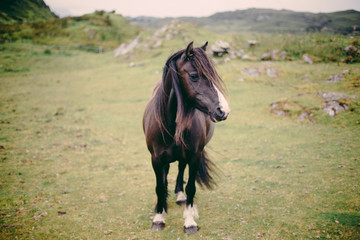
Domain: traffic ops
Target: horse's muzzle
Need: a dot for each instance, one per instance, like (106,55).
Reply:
(219,115)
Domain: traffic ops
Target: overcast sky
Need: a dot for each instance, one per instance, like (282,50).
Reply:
(176,8)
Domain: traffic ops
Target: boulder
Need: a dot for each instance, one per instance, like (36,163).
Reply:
(220,48)
(334,107)
(334,103)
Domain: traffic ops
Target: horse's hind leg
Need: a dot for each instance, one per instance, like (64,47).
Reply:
(190,212)
(179,188)
(161,171)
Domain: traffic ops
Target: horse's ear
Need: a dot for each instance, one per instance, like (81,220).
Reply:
(204,46)
(189,50)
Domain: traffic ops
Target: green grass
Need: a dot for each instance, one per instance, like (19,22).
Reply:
(99,29)
(71,142)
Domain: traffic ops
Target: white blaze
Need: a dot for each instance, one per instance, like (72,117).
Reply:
(224,105)
(189,214)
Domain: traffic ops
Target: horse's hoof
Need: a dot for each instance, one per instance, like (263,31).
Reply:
(156,226)
(191,229)
(181,202)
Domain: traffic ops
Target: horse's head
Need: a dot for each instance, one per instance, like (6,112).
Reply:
(200,84)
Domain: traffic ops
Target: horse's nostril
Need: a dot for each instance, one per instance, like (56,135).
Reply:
(220,112)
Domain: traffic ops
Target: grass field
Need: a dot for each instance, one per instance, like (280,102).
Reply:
(74,164)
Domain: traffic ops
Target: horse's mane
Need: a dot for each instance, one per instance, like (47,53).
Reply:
(204,66)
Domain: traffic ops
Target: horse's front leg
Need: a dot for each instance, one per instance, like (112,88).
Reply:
(179,188)
(161,170)
(191,212)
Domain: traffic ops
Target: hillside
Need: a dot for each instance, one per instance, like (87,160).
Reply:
(93,32)
(266,20)
(15,11)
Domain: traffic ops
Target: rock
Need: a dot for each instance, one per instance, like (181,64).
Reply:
(220,48)
(304,115)
(272,72)
(241,80)
(334,107)
(246,57)
(236,54)
(334,103)
(350,50)
(124,48)
(253,72)
(157,44)
(307,59)
(253,43)
(273,55)
(330,96)
(278,109)
(266,57)
(335,78)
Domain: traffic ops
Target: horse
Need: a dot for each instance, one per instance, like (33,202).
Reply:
(178,122)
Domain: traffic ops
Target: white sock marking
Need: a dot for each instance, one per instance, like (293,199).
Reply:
(159,217)
(189,214)
(180,197)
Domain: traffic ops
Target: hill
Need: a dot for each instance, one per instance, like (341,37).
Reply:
(91,31)
(266,20)
(17,11)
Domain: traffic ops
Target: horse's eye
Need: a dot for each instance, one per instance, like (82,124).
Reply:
(194,77)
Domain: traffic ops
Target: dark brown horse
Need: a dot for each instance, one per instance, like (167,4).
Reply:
(178,123)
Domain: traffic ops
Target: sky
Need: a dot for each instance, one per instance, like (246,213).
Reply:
(196,8)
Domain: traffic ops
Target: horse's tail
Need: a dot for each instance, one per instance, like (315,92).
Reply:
(203,176)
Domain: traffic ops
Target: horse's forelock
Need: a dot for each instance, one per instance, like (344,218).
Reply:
(204,66)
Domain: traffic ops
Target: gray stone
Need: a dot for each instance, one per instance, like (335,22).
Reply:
(307,59)
(253,43)
(334,107)
(335,78)
(266,57)
(253,72)
(124,48)
(330,96)
(350,49)
(246,57)
(220,48)
(272,72)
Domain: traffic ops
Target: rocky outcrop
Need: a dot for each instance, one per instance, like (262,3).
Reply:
(334,103)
